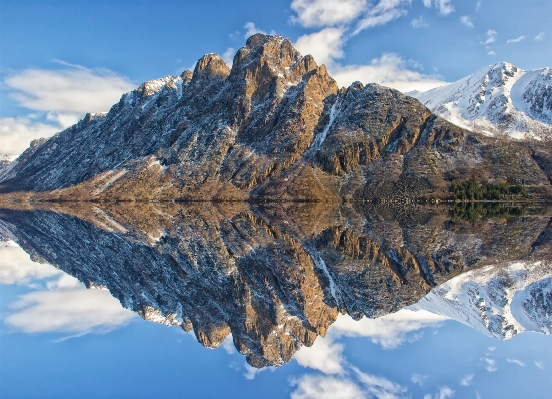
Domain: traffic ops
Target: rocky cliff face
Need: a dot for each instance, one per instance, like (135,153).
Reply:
(275,277)
(274,126)
(498,100)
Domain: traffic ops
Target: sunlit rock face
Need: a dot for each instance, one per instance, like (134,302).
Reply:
(274,126)
(277,276)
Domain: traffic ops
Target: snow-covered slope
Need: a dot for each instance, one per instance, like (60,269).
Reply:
(497,301)
(499,99)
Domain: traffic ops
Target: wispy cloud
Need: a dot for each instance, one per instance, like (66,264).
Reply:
(419,379)
(478,6)
(490,365)
(67,307)
(515,361)
(379,387)
(490,37)
(319,13)
(356,385)
(516,40)
(325,387)
(539,37)
(443,393)
(466,21)
(383,12)
(56,99)
(466,381)
(389,70)
(444,7)
(539,364)
(491,53)
(418,23)
(72,92)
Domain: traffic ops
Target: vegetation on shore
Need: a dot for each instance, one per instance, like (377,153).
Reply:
(473,190)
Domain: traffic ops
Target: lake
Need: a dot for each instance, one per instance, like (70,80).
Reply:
(276,300)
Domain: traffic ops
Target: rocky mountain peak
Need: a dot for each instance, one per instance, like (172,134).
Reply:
(210,66)
(152,86)
(187,76)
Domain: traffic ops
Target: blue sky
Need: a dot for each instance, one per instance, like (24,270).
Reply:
(63,58)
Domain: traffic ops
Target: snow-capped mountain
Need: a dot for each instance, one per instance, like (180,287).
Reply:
(499,99)
(497,301)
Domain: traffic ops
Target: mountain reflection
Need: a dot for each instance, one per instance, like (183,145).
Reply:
(276,276)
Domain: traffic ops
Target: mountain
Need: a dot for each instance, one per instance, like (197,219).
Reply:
(497,100)
(275,276)
(273,127)
(497,301)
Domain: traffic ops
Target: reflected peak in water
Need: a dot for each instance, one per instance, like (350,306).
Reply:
(275,277)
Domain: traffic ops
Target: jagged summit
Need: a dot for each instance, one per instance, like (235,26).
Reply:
(498,99)
(274,125)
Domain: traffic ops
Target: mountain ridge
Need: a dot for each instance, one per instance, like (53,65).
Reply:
(275,126)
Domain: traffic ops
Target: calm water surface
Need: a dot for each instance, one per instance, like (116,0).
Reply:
(282,300)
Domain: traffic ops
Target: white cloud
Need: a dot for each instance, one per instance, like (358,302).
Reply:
(490,37)
(419,379)
(228,345)
(16,267)
(466,21)
(17,133)
(388,70)
(539,37)
(389,331)
(466,381)
(65,307)
(379,387)
(515,361)
(491,367)
(323,355)
(62,96)
(326,387)
(478,6)
(492,348)
(251,371)
(318,13)
(443,6)
(72,92)
(491,53)
(228,56)
(419,23)
(383,12)
(443,393)
(516,40)
(539,364)
(325,45)
(252,29)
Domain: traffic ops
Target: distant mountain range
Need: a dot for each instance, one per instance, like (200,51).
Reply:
(497,100)
(277,127)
